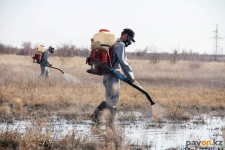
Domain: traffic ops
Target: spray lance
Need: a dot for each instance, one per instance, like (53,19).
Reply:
(47,65)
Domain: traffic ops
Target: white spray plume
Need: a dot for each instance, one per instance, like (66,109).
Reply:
(71,79)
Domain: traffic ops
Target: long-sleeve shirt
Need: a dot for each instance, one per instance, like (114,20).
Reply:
(120,59)
(45,58)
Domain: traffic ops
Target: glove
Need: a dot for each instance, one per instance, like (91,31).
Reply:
(50,64)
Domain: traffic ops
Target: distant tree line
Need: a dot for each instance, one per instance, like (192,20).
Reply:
(149,53)
(62,51)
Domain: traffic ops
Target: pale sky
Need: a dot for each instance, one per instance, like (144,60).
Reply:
(166,24)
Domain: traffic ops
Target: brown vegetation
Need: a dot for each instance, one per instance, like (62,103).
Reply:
(34,138)
(177,89)
(180,91)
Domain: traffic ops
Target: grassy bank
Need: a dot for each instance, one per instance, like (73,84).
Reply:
(179,90)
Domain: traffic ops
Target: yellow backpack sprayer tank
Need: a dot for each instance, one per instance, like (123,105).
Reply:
(105,37)
(101,46)
(41,49)
(39,54)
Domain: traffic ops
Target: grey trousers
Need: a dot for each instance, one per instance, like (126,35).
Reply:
(44,71)
(112,89)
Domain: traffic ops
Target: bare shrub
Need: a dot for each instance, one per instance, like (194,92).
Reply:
(26,50)
(155,56)
(195,61)
(7,49)
(65,51)
(71,50)
(174,57)
(141,54)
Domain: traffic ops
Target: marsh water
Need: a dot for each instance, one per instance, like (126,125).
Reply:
(157,136)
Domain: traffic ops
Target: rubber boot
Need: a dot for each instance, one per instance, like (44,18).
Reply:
(113,115)
(98,112)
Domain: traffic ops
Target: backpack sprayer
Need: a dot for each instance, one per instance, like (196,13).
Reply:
(37,58)
(100,59)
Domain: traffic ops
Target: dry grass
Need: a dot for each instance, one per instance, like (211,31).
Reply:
(180,91)
(34,138)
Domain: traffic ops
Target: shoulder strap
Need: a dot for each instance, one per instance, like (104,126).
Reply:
(42,56)
(113,63)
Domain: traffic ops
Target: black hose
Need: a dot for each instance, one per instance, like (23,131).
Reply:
(57,69)
(143,91)
(51,67)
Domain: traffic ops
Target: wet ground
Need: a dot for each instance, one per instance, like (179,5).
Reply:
(203,131)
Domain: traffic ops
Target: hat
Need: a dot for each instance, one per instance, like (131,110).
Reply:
(130,33)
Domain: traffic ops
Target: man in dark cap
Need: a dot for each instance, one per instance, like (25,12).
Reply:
(44,69)
(112,84)
(127,36)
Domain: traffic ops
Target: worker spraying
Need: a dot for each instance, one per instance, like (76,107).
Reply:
(42,57)
(44,63)
(107,59)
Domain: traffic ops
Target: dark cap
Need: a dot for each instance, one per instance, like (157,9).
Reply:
(130,33)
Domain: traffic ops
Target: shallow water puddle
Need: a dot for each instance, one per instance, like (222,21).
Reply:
(170,135)
(157,136)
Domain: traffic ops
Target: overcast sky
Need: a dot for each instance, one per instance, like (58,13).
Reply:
(166,24)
